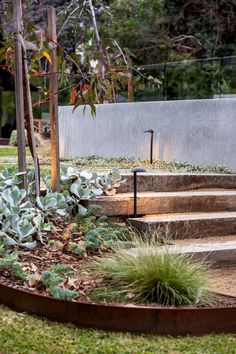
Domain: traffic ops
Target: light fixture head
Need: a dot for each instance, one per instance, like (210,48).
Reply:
(149,131)
(138,169)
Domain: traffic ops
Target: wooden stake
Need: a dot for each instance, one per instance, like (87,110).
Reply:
(54,102)
(17,21)
(1,112)
(130,87)
(130,82)
(30,124)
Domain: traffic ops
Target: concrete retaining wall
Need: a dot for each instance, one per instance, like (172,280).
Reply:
(199,131)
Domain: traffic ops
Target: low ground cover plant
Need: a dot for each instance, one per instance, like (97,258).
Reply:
(53,281)
(10,265)
(98,162)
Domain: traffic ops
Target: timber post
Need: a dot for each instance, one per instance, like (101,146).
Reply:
(55,162)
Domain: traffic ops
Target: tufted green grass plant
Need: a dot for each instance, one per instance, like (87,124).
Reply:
(145,276)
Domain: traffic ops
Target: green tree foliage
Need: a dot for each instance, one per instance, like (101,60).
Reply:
(169,30)
(202,27)
(154,30)
(135,33)
(137,25)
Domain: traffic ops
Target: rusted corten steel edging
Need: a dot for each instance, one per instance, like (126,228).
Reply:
(165,321)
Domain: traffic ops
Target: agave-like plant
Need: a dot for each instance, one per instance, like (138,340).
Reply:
(52,204)
(86,184)
(19,232)
(9,177)
(25,218)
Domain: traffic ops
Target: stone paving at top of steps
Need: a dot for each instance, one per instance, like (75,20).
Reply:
(201,200)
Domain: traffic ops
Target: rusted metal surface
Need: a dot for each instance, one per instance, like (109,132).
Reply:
(165,321)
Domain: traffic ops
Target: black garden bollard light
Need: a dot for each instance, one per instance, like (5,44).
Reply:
(151,144)
(135,170)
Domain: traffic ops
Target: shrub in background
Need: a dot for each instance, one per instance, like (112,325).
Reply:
(38,138)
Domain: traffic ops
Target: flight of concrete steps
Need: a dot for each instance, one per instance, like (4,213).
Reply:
(184,206)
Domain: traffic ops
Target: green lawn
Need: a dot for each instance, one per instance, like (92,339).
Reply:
(8,151)
(20,333)
(12,151)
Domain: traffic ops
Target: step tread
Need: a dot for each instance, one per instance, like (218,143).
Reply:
(195,248)
(189,193)
(185,216)
(205,247)
(205,240)
(215,251)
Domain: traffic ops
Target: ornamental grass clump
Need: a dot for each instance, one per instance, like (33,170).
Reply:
(145,276)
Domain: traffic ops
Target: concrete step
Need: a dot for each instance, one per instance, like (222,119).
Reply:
(164,182)
(187,225)
(193,241)
(221,251)
(167,202)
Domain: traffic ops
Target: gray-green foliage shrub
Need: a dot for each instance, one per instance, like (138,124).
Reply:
(20,221)
(146,276)
(86,184)
(13,139)
(23,222)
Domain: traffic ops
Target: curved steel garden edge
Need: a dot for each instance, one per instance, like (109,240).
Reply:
(165,321)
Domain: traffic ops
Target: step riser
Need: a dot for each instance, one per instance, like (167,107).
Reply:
(168,183)
(214,256)
(163,205)
(188,229)
(218,257)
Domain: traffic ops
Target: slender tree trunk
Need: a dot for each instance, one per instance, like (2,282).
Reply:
(98,39)
(1,108)
(30,124)
(19,99)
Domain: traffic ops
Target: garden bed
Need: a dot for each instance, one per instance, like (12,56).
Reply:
(32,296)
(43,257)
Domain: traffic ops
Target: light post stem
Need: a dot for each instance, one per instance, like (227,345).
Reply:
(151,149)
(135,170)
(135,194)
